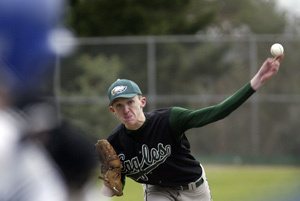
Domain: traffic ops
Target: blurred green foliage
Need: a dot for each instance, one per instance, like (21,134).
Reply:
(88,78)
(134,17)
(235,183)
(156,17)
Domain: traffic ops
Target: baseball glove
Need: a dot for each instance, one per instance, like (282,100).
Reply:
(110,167)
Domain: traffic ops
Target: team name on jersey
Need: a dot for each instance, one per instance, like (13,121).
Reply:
(151,159)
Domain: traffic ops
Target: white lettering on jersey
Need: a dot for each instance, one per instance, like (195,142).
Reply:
(151,159)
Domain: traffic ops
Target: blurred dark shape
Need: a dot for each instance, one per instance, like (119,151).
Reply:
(71,148)
(74,153)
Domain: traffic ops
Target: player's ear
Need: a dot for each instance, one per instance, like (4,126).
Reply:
(111,109)
(143,101)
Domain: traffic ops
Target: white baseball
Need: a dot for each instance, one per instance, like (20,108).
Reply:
(277,49)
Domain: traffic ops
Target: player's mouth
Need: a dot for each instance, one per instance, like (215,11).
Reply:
(128,118)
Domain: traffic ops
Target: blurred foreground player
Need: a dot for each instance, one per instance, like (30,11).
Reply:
(30,169)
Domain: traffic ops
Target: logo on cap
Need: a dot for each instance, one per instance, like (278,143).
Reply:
(118,90)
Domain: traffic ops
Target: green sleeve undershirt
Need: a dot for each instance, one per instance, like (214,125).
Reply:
(182,119)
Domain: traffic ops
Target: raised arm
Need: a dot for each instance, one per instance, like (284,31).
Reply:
(269,68)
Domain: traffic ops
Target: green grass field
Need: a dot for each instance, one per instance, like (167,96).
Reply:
(236,183)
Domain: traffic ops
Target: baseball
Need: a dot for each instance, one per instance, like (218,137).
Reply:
(277,49)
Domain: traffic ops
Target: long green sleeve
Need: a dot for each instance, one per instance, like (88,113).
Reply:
(182,119)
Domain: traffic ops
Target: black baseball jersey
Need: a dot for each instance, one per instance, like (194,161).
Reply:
(158,153)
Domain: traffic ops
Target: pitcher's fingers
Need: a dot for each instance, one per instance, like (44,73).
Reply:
(279,58)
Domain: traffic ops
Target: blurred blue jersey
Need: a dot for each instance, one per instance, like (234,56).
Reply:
(25,53)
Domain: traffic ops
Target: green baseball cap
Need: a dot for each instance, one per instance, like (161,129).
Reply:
(122,88)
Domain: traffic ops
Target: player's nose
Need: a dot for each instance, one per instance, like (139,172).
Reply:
(126,109)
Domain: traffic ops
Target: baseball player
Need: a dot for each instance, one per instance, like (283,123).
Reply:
(153,147)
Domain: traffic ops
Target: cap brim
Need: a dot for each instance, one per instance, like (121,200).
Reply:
(123,96)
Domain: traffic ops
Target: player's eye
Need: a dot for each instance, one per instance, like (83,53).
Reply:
(119,106)
(130,102)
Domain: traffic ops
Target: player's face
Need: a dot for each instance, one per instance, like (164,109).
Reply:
(130,111)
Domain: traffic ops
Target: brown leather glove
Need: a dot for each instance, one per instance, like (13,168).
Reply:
(110,167)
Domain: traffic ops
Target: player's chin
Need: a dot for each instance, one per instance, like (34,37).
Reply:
(130,123)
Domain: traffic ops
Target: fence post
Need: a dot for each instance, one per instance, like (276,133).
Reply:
(254,122)
(151,72)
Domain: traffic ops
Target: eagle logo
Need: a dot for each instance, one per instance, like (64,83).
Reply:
(118,90)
